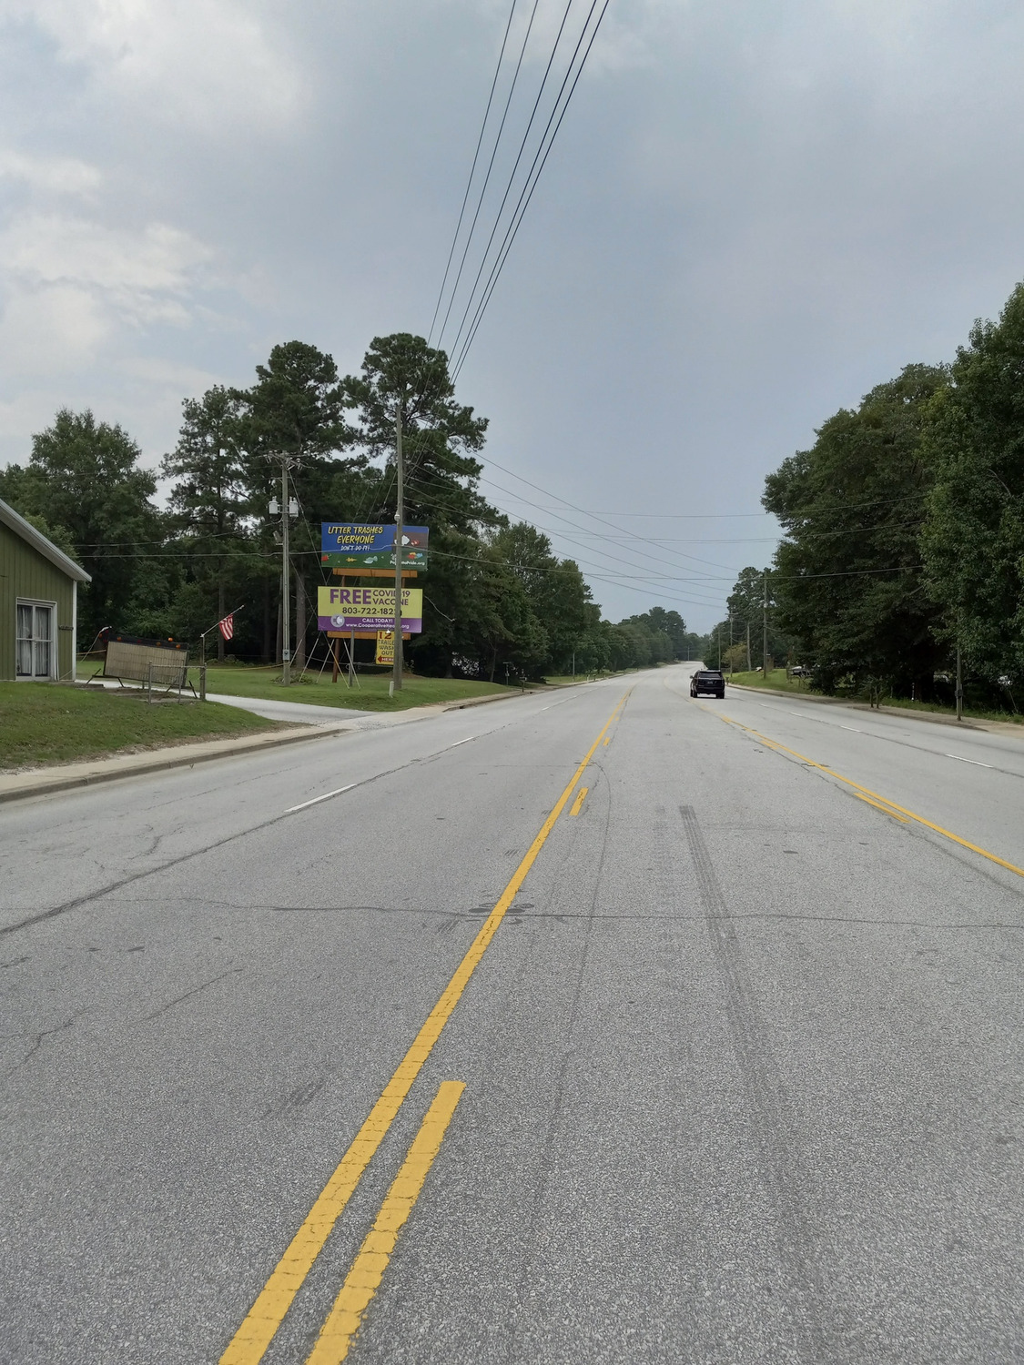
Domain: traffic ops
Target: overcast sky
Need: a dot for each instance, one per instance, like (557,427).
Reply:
(753,213)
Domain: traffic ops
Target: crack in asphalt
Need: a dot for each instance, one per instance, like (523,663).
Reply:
(37,1042)
(187,995)
(100,892)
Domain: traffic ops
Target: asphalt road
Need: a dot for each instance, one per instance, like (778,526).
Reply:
(743,1054)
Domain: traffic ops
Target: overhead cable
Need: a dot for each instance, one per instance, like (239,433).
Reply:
(490,167)
(519,156)
(472,169)
(526,194)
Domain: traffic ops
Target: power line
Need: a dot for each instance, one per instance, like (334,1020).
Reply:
(487,177)
(528,189)
(598,573)
(592,515)
(752,540)
(472,169)
(614,582)
(630,563)
(563,517)
(515,167)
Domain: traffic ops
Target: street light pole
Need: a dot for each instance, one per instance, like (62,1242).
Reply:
(764,642)
(396,667)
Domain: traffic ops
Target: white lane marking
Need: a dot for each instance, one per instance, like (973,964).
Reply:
(316,799)
(461,741)
(973,761)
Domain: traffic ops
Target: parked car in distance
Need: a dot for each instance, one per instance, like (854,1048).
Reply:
(798,671)
(708,682)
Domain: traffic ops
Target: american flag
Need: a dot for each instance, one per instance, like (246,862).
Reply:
(227,626)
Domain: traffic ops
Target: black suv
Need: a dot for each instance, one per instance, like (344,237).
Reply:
(709,682)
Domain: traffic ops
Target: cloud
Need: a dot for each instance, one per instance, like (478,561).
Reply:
(144,276)
(51,175)
(208,64)
(54,329)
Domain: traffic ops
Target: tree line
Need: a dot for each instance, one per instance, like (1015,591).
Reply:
(498,603)
(904,532)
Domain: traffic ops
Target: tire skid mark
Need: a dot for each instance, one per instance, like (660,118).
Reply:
(772,1121)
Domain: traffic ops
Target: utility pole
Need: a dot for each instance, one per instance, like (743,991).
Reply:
(764,654)
(959,687)
(719,647)
(749,669)
(286,624)
(396,667)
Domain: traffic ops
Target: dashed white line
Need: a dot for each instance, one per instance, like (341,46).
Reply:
(973,761)
(316,799)
(853,728)
(461,741)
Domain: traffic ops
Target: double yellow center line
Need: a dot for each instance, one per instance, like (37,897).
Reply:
(257,1331)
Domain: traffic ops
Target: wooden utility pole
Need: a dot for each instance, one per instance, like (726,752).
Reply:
(396,667)
(764,655)
(286,623)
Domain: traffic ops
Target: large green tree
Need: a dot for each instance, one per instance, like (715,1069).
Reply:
(973,540)
(401,374)
(555,590)
(85,477)
(440,436)
(297,409)
(209,504)
(746,613)
(847,580)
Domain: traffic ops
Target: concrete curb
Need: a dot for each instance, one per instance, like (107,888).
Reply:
(935,717)
(494,696)
(15,786)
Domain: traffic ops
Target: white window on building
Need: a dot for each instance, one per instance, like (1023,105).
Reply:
(34,641)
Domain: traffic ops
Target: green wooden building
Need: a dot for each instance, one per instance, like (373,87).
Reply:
(38,604)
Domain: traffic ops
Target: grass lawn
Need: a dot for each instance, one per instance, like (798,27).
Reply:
(48,723)
(244,680)
(776,680)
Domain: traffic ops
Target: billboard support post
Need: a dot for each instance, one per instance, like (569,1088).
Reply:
(396,667)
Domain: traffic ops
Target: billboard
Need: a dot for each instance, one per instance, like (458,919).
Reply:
(368,609)
(384,559)
(385,647)
(357,538)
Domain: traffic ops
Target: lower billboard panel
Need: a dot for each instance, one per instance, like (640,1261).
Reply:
(412,625)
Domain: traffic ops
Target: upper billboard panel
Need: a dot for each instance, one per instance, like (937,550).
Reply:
(356,538)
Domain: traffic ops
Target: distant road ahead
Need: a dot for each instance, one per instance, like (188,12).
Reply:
(724,1063)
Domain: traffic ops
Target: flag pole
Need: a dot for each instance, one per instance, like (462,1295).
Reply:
(202,640)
